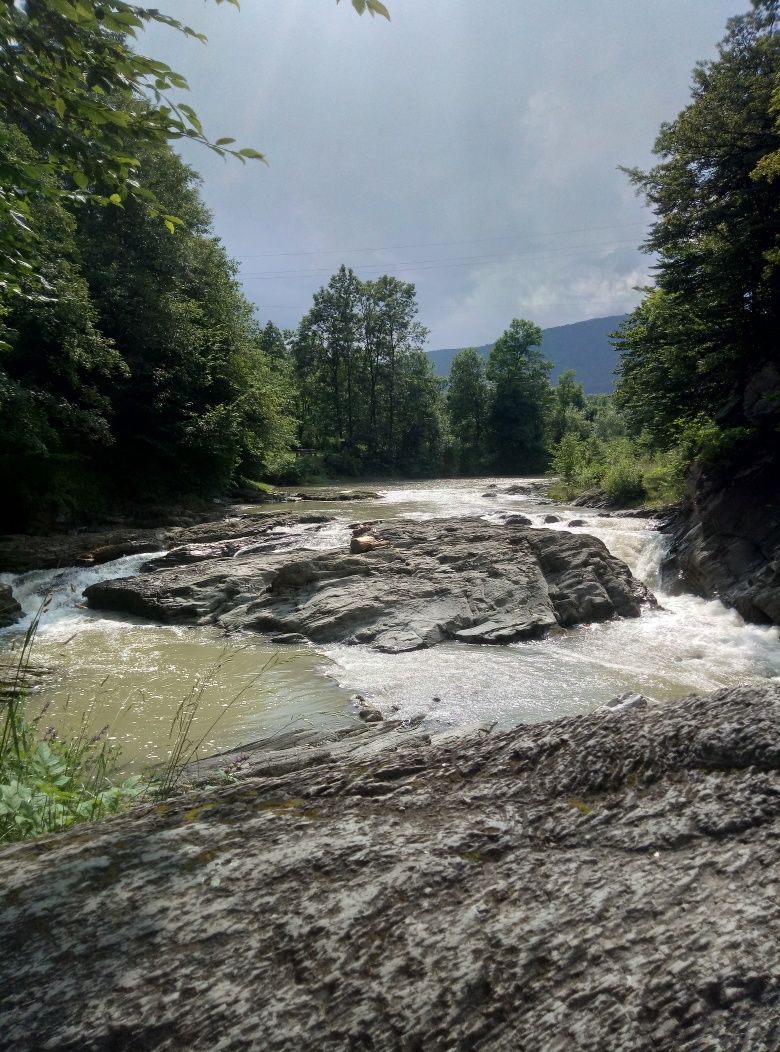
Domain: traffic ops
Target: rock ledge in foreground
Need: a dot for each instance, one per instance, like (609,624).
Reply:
(603,883)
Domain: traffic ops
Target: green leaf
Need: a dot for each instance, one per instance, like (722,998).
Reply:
(377,8)
(225,141)
(247,151)
(115,199)
(59,106)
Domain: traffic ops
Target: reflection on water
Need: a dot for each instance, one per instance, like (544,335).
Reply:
(138,674)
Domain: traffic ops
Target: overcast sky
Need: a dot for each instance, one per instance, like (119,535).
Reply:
(469,146)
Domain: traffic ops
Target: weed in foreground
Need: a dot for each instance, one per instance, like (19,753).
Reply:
(49,783)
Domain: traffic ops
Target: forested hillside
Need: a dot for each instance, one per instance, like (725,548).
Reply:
(583,346)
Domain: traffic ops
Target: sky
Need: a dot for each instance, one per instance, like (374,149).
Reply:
(469,146)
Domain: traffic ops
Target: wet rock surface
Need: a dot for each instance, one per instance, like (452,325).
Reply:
(407,585)
(339,495)
(10,611)
(725,541)
(606,882)
(20,552)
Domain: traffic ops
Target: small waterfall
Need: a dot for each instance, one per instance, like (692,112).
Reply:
(63,590)
(687,644)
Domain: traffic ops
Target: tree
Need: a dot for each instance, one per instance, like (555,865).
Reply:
(89,104)
(568,403)
(467,398)
(703,332)
(332,327)
(144,374)
(400,337)
(518,374)
(357,361)
(420,425)
(191,412)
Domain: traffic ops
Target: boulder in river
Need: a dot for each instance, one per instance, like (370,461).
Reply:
(601,883)
(420,584)
(10,610)
(339,495)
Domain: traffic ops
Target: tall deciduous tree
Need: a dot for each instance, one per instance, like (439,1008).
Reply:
(367,394)
(467,402)
(568,403)
(711,321)
(518,374)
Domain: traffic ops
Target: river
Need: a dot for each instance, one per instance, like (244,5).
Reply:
(132,676)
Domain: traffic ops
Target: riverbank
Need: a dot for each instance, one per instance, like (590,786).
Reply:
(132,673)
(604,880)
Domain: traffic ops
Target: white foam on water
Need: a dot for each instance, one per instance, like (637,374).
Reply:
(689,644)
(60,592)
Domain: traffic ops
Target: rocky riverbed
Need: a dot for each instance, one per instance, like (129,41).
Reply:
(399,586)
(606,882)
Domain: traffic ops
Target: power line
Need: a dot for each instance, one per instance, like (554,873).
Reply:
(492,306)
(438,244)
(441,263)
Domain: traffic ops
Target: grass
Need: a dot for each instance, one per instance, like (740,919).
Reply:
(49,783)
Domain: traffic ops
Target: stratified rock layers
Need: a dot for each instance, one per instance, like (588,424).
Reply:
(424,582)
(606,882)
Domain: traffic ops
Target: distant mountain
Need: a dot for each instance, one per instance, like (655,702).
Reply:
(583,347)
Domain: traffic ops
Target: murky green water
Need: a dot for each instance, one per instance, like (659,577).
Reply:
(134,676)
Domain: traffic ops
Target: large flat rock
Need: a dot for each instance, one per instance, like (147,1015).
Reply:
(605,883)
(421,583)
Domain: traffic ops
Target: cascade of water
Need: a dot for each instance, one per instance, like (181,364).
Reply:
(62,590)
(687,644)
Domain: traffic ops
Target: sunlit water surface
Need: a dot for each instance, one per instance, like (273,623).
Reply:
(133,676)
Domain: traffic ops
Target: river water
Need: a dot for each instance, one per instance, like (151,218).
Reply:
(132,676)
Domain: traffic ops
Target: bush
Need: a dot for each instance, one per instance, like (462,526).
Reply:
(623,482)
(569,458)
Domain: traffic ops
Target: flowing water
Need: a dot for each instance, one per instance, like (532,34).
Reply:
(132,676)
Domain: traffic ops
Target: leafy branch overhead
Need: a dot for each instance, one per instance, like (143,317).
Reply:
(87,104)
(374,7)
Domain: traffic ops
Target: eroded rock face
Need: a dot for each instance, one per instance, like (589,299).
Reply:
(413,585)
(606,883)
(726,538)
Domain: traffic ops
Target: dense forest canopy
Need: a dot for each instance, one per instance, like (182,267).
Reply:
(702,335)
(132,366)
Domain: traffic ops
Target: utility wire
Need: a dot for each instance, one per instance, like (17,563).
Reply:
(438,244)
(442,263)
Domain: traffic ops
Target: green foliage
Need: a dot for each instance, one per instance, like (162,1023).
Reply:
(520,400)
(73,81)
(596,452)
(47,783)
(374,7)
(568,403)
(710,323)
(146,363)
(366,395)
(623,481)
(568,458)
(467,406)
